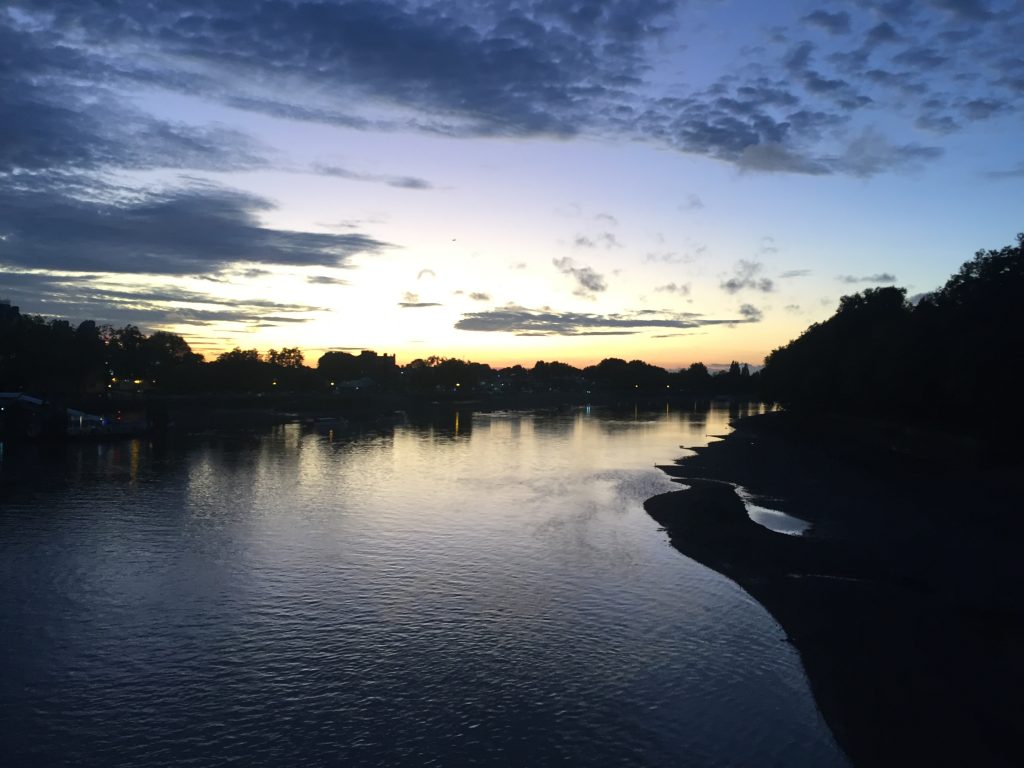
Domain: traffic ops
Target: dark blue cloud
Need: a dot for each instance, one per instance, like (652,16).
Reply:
(881,33)
(837,23)
(920,57)
(189,231)
(82,296)
(507,67)
(971,10)
(60,111)
(489,68)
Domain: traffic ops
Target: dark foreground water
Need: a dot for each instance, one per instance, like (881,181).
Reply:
(484,590)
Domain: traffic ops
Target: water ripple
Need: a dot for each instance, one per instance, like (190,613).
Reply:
(499,597)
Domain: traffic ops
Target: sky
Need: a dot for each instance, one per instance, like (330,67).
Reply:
(503,181)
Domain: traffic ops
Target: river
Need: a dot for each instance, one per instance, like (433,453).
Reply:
(477,588)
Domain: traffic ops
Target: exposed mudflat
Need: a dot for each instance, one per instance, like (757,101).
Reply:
(902,599)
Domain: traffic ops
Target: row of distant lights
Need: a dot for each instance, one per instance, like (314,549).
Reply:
(274,383)
(113,381)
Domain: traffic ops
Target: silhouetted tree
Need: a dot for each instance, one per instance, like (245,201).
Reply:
(957,348)
(339,366)
(695,379)
(288,357)
(555,376)
(449,375)
(169,363)
(239,356)
(240,370)
(637,376)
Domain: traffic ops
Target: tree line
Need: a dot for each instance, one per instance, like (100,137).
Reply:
(953,356)
(51,357)
(948,356)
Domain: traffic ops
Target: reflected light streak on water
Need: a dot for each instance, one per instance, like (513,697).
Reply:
(484,588)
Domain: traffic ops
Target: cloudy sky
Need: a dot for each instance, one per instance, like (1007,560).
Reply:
(505,180)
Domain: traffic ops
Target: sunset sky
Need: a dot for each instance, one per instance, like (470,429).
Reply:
(500,181)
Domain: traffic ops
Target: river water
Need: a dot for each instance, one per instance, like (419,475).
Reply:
(476,589)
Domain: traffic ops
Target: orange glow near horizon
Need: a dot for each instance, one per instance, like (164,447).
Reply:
(498,358)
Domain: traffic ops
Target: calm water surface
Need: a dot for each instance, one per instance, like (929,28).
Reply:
(484,589)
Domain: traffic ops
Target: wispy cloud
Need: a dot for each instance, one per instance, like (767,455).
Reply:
(588,280)
(401,182)
(411,300)
(77,296)
(680,289)
(836,23)
(879,277)
(693,203)
(1016,172)
(605,239)
(747,277)
(751,313)
(522,321)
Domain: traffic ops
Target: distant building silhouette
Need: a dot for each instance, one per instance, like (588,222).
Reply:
(8,312)
(370,363)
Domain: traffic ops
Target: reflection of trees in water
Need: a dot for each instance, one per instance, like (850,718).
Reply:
(459,424)
(50,467)
(443,426)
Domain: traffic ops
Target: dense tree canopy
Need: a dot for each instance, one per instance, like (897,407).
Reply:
(50,356)
(956,350)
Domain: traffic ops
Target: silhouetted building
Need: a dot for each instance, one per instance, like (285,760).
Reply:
(370,363)
(7,312)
